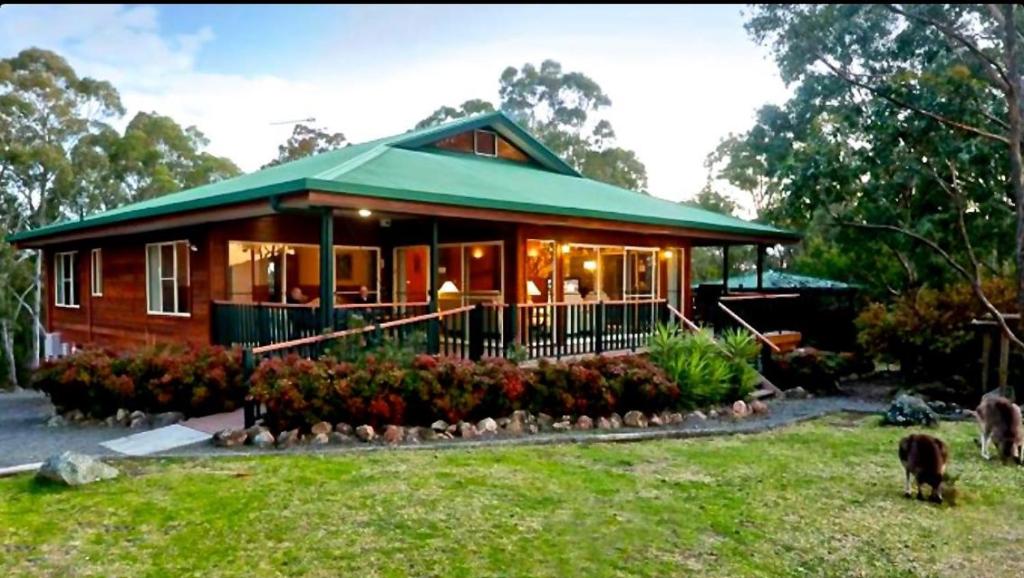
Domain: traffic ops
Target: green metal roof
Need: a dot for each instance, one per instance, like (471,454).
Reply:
(394,168)
(773,279)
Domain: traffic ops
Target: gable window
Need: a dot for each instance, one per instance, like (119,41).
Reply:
(485,143)
(96,273)
(167,278)
(66,277)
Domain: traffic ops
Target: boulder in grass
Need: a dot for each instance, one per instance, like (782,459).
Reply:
(75,469)
(393,434)
(339,438)
(545,422)
(603,423)
(655,421)
(584,422)
(487,426)
(467,430)
(344,429)
(439,426)
(288,438)
(318,439)
(675,418)
(321,428)
(696,415)
(740,408)
(910,410)
(758,407)
(227,438)
(795,393)
(263,439)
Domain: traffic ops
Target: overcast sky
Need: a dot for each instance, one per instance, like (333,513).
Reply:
(680,77)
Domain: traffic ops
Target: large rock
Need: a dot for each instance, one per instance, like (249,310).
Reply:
(263,439)
(439,426)
(319,439)
(56,421)
(616,420)
(656,421)
(634,419)
(137,414)
(545,421)
(516,427)
(908,410)
(696,415)
(758,407)
(393,434)
(339,438)
(584,422)
(227,438)
(740,408)
(287,439)
(604,423)
(138,423)
(675,418)
(167,418)
(795,393)
(344,429)
(365,433)
(74,469)
(321,428)
(467,430)
(74,415)
(123,416)
(523,416)
(487,426)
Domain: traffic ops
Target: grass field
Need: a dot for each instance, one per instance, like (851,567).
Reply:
(818,499)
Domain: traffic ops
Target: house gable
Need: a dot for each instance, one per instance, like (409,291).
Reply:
(484,142)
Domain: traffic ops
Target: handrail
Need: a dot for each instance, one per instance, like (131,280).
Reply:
(686,322)
(747,296)
(337,306)
(620,302)
(749,328)
(358,330)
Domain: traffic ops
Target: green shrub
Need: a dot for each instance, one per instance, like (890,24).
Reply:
(928,331)
(707,371)
(192,380)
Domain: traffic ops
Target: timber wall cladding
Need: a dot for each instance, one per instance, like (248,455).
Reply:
(119,317)
(463,142)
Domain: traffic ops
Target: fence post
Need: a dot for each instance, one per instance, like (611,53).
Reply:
(599,328)
(249,405)
(476,333)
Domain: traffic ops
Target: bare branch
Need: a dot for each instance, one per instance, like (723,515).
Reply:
(994,69)
(845,76)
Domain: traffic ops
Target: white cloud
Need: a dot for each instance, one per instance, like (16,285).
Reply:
(672,101)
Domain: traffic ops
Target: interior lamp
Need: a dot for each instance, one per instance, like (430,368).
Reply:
(447,288)
(531,289)
(590,265)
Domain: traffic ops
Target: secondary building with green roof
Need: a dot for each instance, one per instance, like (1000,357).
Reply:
(474,212)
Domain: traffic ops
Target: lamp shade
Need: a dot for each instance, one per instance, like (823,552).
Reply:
(447,287)
(531,289)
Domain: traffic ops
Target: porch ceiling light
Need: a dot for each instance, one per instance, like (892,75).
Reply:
(531,289)
(667,253)
(590,265)
(566,248)
(447,288)
(365,213)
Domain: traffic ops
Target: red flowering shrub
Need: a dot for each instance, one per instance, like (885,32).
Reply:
(192,380)
(300,393)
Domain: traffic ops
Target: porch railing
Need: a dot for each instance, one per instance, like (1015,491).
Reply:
(561,329)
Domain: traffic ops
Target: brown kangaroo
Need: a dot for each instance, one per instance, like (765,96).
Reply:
(925,457)
(1000,421)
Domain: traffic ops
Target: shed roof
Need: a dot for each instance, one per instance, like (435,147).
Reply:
(403,167)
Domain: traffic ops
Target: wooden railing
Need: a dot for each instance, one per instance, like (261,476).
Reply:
(256,324)
(757,334)
(560,329)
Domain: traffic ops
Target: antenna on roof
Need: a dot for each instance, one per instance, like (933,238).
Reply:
(310,119)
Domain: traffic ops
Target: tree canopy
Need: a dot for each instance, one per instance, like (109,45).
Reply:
(305,141)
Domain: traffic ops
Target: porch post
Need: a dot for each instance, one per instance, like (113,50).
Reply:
(760,267)
(725,268)
(326,269)
(433,341)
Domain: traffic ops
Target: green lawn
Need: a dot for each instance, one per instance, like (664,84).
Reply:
(823,498)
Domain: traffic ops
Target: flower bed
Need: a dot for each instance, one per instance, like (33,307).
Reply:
(299,393)
(190,380)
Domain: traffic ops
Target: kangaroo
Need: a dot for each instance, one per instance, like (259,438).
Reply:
(925,457)
(1000,420)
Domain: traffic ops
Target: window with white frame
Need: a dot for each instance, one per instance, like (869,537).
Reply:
(167,278)
(96,273)
(66,279)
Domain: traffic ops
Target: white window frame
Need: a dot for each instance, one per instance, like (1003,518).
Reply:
(96,273)
(598,282)
(174,260)
(60,278)
(476,146)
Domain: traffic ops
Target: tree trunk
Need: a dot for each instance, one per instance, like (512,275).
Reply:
(1015,133)
(7,342)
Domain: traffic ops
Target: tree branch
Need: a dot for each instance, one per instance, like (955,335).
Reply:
(992,66)
(845,76)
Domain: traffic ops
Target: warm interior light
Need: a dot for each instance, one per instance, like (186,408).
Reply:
(531,289)
(532,253)
(365,212)
(447,287)
(667,253)
(478,252)
(566,248)
(590,265)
